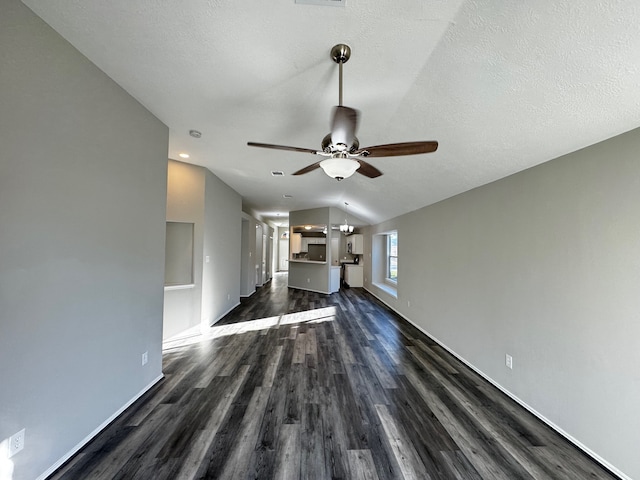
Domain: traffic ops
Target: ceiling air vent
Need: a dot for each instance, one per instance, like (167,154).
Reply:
(277,173)
(332,3)
(286,195)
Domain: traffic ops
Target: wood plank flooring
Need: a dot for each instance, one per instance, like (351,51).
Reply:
(300,385)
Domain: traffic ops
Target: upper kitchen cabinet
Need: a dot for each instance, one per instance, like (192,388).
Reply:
(296,243)
(306,241)
(355,244)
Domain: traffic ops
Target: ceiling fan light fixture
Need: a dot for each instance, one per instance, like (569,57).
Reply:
(339,168)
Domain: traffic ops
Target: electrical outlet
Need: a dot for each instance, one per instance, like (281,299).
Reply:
(145,358)
(16,443)
(308,280)
(228,296)
(408,303)
(508,360)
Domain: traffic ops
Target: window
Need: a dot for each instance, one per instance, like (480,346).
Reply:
(178,254)
(384,262)
(392,257)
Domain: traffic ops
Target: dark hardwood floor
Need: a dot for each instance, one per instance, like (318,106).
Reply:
(299,385)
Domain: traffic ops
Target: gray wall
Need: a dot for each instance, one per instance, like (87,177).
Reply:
(338,216)
(256,247)
(222,237)
(282,250)
(308,276)
(186,203)
(82,208)
(249,258)
(545,266)
(197,196)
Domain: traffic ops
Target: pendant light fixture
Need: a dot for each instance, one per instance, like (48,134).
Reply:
(346,228)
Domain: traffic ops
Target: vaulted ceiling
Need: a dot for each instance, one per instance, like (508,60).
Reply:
(501,85)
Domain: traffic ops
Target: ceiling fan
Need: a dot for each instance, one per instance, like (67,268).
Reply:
(340,148)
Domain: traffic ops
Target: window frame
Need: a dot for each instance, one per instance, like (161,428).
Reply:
(388,256)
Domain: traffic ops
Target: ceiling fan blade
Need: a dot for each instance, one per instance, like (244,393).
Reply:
(307,169)
(344,125)
(282,147)
(367,169)
(398,149)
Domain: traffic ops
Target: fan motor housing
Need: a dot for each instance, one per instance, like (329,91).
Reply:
(326,144)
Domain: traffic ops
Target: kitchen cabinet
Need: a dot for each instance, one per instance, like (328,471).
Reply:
(354,275)
(306,241)
(296,243)
(357,244)
(335,279)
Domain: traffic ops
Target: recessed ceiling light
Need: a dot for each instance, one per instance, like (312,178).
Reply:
(286,195)
(277,173)
(307,227)
(195,133)
(183,155)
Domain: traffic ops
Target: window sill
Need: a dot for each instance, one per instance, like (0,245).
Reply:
(387,288)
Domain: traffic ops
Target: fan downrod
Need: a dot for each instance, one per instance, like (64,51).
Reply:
(340,53)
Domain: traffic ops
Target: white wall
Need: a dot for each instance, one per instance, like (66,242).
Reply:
(197,196)
(545,266)
(82,215)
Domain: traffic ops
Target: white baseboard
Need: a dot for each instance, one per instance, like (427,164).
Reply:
(520,402)
(309,290)
(102,426)
(220,317)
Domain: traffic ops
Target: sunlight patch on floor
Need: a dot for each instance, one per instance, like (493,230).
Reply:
(318,315)
(309,316)
(241,327)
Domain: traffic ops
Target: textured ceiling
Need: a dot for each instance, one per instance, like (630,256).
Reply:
(501,85)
